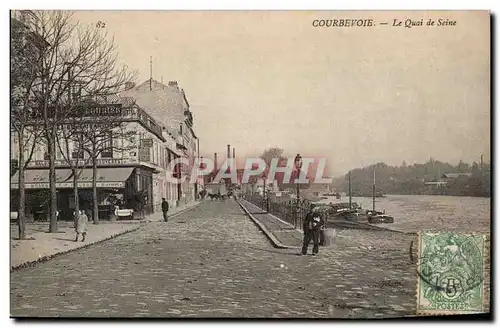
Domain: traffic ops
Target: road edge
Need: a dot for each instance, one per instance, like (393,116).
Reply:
(270,236)
(29,264)
(176,213)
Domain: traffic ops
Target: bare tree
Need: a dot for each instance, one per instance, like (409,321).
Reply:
(271,153)
(268,155)
(25,56)
(76,58)
(105,135)
(71,134)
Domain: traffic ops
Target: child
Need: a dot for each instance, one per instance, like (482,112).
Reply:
(81,225)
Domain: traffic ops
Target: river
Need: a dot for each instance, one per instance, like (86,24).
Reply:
(431,213)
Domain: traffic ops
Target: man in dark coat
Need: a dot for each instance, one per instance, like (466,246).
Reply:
(312,226)
(164,209)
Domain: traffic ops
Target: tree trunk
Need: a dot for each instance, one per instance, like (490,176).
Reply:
(75,193)
(21,213)
(95,201)
(51,141)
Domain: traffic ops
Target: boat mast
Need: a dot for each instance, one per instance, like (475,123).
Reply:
(373,189)
(350,198)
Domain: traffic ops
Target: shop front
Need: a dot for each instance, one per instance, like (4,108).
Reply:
(112,190)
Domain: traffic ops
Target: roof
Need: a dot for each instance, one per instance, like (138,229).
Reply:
(162,102)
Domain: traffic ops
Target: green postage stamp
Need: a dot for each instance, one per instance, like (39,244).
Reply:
(450,273)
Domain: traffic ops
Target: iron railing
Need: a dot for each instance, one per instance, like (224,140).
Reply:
(286,210)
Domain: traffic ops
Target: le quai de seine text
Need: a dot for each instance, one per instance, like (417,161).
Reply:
(395,22)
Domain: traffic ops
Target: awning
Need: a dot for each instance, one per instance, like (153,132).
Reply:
(39,179)
(106,178)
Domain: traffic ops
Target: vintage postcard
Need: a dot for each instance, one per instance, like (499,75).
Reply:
(250,164)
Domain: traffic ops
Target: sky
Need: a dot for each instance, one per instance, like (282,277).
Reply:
(260,79)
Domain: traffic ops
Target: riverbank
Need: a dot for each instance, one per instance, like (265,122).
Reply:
(432,213)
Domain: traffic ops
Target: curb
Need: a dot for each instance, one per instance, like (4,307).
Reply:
(374,227)
(272,238)
(51,256)
(368,226)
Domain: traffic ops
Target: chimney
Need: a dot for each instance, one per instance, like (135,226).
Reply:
(173,84)
(215,162)
(228,151)
(234,159)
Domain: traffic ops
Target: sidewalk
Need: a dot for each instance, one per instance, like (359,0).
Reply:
(42,246)
(282,234)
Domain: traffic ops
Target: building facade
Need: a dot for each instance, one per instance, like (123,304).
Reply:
(168,104)
(135,164)
(157,128)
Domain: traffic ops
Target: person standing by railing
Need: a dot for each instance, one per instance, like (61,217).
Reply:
(312,226)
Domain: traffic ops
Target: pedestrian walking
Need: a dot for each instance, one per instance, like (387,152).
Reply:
(164,209)
(312,226)
(81,225)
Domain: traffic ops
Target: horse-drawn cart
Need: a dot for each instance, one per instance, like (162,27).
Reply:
(216,190)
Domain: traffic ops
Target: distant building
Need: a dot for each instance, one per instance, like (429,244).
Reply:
(455,175)
(436,184)
(321,188)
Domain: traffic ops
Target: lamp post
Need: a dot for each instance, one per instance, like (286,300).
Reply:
(264,177)
(201,167)
(298,165)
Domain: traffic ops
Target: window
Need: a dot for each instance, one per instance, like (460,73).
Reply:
(59,154)
(162,157)
(107,145)
(77,152)
(157,154)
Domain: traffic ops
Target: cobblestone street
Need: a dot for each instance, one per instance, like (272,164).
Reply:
(212,261)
